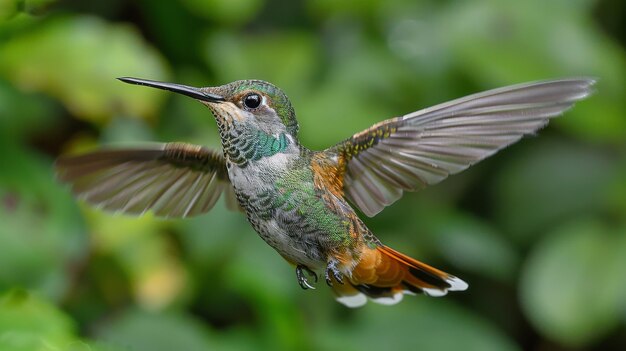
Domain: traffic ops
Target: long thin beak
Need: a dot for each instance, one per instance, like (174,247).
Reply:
(195,93)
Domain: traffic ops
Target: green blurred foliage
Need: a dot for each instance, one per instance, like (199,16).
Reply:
(73,60)
(538,231)
(589,304)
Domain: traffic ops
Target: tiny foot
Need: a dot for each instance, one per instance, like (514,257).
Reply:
(302,280)
(333,271)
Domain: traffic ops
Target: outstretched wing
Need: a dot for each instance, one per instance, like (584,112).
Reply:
(422,148)
(173,179)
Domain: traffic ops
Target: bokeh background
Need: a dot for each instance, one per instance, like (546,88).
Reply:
(538,230)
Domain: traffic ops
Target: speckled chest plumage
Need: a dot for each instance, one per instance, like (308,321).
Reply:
(273,181)
(263,194)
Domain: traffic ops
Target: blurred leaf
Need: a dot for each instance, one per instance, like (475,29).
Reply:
(473,245)
(21,114)
(227,12)
(281,325)
(8,8)
(28,323)
(421,41)
(572,287)
(286,59)
(421,324)
(77,59)
(617,190)
(42,231)
(136,330)
(549,181)
(31,4)
(209,238)
(350,7)
(127,130)
(143,250)
(34,6)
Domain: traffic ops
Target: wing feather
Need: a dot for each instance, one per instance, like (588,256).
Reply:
(172,180)
(422,148)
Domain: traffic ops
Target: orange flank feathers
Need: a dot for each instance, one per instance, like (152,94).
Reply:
(385,275)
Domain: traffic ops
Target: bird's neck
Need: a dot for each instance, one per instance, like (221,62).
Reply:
(245,144)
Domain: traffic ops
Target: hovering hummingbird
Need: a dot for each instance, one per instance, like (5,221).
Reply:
(299,200)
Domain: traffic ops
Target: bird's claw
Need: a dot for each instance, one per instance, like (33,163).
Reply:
(302,280)
(333,272)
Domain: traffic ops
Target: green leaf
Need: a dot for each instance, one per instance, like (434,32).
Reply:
(137,330)
(144,252)
(22,114)
(42,232)
(29,323)
(573,284)
(226,12)
(126,130)
(548,181)
(421,323)
(617,189)
(329,7)
(473,245)
(34,6)
(286,59)
(76,59)
(8,8)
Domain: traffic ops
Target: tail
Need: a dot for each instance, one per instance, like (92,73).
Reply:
(385,275)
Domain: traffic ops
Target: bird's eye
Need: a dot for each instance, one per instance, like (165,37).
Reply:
(252,100)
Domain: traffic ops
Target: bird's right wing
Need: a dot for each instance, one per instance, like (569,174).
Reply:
(422,148)
(172,180)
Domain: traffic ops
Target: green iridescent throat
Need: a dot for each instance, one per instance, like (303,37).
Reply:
(254,144)
(268,145)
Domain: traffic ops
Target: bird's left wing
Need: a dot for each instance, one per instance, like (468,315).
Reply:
(172,180)
(422,148)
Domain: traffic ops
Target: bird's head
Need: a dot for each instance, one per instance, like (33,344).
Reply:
(243,103)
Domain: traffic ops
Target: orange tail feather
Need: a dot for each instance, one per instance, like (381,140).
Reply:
(385,275)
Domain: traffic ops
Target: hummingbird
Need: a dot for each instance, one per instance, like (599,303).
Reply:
(302,202)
